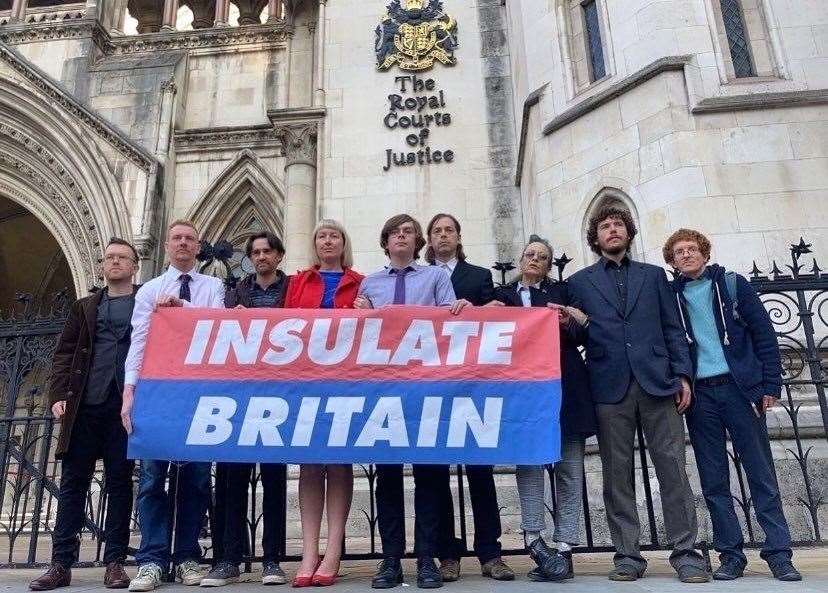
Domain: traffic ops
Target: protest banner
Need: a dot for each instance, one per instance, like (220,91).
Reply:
(397,384)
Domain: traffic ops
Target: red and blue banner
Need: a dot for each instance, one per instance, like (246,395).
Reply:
(392,385)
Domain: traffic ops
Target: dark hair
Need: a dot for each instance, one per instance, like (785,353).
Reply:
(429,254)
(536,239)
(119,241)
(603,213)
(396,221)
(272,240)
(685,235)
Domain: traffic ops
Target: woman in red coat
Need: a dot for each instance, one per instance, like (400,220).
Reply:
(329,283)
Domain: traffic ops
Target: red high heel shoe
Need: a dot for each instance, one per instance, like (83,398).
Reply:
(324,580)
(305,581)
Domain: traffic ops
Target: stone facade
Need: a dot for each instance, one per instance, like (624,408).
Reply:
(281,119)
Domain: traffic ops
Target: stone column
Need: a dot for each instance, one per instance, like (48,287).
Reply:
(18,11)
(165,125)
(299,141)
(274,11)
(170,15)
(319,70)
(222,13)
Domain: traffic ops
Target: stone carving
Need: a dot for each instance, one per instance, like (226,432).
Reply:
(299,141)
(204,12)
(148,13)
(250,11)
(244,137)
(60,97)
(201,38)
(414,34)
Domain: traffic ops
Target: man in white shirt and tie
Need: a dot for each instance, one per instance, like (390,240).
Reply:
(180,286)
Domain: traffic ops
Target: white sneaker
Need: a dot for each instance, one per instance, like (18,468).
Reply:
(147,579)
(189,573)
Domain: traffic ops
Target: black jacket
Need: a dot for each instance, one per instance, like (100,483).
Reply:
(577,408)
(644,341)
(240,294)
(472,283)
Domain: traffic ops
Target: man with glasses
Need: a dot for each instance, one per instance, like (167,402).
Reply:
(180,286)
(85,395)
(404,282)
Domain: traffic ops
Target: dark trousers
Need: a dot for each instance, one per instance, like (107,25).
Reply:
(96,434)
(487,531)
(430,482)
(719,406)
(231,541)
(664,433)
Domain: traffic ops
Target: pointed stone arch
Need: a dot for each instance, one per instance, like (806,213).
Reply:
(51,165)
(614,196)
(242,199)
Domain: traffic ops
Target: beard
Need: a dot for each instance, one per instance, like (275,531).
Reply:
(616,249)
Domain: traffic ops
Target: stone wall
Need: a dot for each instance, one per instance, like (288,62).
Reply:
(743,160)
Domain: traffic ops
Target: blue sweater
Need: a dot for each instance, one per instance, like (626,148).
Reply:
(710,357)
(747,335)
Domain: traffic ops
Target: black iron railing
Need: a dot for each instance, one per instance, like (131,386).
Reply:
(797,300)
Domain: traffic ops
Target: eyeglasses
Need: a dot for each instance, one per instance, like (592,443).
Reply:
(540,256)
(692,250)
(114,257)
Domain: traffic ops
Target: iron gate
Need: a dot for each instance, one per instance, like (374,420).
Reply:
(796,296)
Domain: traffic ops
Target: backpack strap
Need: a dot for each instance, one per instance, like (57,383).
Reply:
(732,291)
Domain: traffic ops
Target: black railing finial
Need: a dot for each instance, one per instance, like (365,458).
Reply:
(503,267)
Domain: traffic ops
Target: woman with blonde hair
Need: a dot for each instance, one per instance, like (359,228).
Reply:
(330,283)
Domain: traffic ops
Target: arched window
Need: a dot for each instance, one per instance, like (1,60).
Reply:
(585,41)
(611,196)
(743,38)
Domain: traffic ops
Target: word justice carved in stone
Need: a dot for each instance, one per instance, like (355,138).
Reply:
(416,107)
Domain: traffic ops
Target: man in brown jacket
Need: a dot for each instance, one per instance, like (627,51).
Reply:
(85,393)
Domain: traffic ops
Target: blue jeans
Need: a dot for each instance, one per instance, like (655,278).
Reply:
(155,518)
(723,407)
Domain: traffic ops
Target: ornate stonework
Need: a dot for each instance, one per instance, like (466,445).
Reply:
(299,141)
(230,138)
(260,35)
(60,97)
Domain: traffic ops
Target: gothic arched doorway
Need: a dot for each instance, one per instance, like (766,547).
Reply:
(31,260)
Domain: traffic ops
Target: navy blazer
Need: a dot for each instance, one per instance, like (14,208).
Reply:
(472,283)
(644,341)
(577,409)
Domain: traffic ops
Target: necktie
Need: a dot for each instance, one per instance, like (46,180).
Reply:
(399,285)
(184,291)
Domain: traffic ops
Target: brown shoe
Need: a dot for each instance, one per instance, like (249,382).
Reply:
(450,570)
(498,570)
(116,577)
(57,576)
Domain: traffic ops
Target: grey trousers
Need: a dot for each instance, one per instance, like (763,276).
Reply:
(664,434)
(569,484)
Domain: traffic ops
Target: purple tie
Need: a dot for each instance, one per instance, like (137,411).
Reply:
(399,285)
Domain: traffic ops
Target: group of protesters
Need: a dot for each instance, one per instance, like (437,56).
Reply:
(632,345)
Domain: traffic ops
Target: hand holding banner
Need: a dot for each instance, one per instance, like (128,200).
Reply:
(392,385)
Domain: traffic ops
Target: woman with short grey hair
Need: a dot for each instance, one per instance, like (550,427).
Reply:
(534,288)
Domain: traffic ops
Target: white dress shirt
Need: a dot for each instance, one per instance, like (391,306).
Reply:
(447,265)
(205,291)
(526,294)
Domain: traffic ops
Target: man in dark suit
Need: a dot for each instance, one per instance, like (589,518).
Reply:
(639,363)
(475,285)
(85,394)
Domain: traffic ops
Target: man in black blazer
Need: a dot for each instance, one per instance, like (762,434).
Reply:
(475,285)
(639,363)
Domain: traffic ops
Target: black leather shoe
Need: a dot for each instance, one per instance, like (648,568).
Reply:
(570,571)
(553,566)
(785,571)
(729,570)
(428,575)
(389,574)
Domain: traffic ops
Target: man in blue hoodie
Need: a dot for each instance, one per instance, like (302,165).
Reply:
(737,376)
